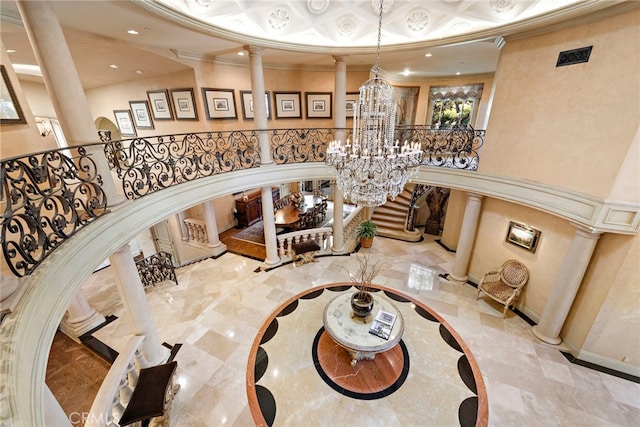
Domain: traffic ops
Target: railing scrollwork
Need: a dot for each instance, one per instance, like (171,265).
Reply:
(156,268)
(47,197)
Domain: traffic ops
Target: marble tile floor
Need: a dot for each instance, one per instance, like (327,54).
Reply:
(220,305)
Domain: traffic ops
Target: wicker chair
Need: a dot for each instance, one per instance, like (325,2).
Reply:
(505,285)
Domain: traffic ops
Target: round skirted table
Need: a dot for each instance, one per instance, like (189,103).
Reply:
(354,333)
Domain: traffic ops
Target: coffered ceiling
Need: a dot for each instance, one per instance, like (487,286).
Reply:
(462,36)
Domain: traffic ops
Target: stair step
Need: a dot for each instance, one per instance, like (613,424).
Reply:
(386,212)
(394,225)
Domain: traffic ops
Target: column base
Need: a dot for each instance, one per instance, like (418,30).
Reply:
(76,329)
(218,250)
(536,333)
(460,280)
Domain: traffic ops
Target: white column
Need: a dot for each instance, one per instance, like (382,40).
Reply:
(212,229)
(467,238)
(184,231)
(136,306)
(63,85)
(566,286)
(54,414)
(339,108)
(269,226)
(338,218)
(259,107)
(81,317)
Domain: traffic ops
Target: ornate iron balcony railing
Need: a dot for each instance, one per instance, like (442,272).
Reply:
(156,268)
(47,198)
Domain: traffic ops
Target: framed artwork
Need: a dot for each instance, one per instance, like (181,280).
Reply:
(407,102)
(523,236)
(287,105)
(141,114)
(125,123)
(160,105)
(10,111)
(247,104)
(184,104)
(219,103)
(319,105)
(350,103)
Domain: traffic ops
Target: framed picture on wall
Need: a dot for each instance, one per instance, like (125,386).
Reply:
(247,104)
(10,111)
(318,105)
(406,104)
(184,104)
(287,105)
(141,114)
(219,103)
(350,103)
(160,105)
(524,236)
(125,123)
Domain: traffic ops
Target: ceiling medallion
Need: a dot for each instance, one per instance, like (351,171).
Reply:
(502,6)
(417,20)
(279,19)
(317,6)
(346,26)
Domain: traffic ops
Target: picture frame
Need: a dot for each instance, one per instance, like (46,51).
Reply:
(124,120)
(406,98)
(219,103)
(350,103)
(184,104)
(287,105)
(10,110)
(523,236)
(141,114)
(160,105)
(247,104)
(319,105)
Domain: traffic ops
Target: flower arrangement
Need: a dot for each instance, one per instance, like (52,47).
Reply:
(367,271)
(297,199)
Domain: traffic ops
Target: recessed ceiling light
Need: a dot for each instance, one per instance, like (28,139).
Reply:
(406,72)
(139,71)
(114,66)
(134,32)
(458,73)
(241,53)
(11,51)
(428,55)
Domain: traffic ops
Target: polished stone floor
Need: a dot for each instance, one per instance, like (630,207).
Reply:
(221,305)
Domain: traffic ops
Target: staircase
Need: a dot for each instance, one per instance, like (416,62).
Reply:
(391,218)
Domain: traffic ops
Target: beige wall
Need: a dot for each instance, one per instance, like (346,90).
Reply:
(570,126)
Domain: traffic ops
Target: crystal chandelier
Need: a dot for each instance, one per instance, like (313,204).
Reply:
(373,168)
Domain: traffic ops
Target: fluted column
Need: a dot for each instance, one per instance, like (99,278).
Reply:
(566,286)
(269,226)
(63,85)
(212,229)
(259,107)
(338,218)
(339,107)
(467,237)
(81,317)
(184,230)
(136,305)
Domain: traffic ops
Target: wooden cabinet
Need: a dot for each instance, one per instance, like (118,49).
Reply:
(249,206)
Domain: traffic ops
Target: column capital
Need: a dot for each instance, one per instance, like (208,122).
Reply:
(253,50)
(585,231)
(475,196)
(340,58)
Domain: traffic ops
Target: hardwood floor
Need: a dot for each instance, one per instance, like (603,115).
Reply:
(74,375)
(241,247)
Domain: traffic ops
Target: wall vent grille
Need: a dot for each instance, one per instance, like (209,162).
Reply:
(574,56)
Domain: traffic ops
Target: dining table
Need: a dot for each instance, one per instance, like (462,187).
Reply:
(288,216)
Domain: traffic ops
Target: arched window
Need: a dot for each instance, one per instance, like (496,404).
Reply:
(453,106)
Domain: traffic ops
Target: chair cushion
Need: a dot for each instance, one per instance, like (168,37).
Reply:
(515,273)
(498,290)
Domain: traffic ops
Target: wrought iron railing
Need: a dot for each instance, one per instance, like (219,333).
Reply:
(156,268)
(47,197)
(146,165)
(301,145)
(451,148)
